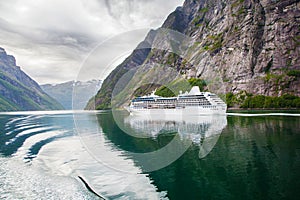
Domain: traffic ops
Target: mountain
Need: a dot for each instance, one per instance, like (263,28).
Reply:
(252,47)
(18,92)
(63,92)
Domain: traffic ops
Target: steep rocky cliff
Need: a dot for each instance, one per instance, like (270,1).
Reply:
(18,92)
(137,58)
(251,45)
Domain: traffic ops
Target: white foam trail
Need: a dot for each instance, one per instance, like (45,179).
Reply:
(14,120)
(33,130)
(22,128)
(68,157)
(29,142)
(22,181)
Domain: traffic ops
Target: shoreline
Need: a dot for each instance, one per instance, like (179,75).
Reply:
(263,110)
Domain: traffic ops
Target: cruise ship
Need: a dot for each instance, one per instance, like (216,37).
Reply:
(194,102)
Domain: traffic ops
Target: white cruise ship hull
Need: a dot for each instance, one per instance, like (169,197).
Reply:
(187,104)
(179,111)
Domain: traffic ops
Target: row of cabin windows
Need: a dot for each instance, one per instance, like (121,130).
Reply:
(172,105)
(193,104)
(191,100)
(174,102)
(211,107)
(179,101)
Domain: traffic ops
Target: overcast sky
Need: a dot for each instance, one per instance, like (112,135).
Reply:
(51,38)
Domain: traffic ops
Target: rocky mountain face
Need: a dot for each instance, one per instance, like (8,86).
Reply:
(18,92)
(137,58)
(63,92)
(250,45)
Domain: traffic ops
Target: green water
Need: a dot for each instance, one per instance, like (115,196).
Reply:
(231,157)
(254,158)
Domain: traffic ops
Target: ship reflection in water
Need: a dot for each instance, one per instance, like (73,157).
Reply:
(203,131)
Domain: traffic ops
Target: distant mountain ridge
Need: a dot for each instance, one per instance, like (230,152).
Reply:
(252,46)
(18,92)
(63,92)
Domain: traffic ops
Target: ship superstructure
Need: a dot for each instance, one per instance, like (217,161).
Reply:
(193,102)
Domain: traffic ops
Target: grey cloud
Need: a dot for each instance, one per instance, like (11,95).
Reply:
(50,39)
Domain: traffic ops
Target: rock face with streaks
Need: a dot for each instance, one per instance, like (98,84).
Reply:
(251,45)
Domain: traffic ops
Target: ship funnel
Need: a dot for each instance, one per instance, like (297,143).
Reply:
(195,90)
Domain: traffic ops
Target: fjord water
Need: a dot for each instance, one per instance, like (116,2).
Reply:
(229,157)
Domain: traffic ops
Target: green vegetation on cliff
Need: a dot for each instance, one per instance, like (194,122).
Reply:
(174,87)
(295,73)
(247,100)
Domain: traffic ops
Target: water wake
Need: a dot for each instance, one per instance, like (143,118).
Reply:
(42,158)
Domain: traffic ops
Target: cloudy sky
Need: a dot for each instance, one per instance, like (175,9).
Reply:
(51,39)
